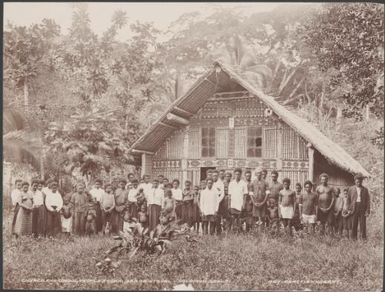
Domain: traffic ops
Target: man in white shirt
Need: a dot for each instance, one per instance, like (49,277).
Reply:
(220,187)
(209,203)
(154,202)
(237,192)
(177,195)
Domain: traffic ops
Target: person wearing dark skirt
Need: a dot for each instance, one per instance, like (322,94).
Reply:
(53,204)
(155,202)
(23,221)
(187,208)
(96,193)
(38,212)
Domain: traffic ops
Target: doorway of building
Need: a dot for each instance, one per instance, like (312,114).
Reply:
(204,172)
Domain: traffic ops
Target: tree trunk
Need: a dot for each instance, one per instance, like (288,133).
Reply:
(42,170)
(339,116)
(26,93)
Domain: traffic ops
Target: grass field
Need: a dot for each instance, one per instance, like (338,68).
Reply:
(225,263)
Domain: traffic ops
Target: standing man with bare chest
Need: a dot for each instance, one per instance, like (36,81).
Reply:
(259,197)
(326,199)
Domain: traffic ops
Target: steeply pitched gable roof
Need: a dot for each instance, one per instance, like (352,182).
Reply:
(188,104)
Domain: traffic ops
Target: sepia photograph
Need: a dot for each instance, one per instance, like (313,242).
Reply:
(193,146)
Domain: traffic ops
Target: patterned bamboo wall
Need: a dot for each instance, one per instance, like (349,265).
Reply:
(282,148)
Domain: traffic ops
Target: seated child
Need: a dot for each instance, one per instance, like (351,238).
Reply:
(143,216)
(66,216)
(126,220)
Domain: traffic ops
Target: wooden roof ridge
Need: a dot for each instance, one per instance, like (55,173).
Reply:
(331,150)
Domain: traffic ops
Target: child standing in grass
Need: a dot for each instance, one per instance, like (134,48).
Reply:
(66,216)
(272,215)
(338,205)
(345,214)
(196,218)
(308,207)
(286,205)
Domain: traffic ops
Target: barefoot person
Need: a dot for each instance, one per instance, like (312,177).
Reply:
(259,197)
(187,207)
(286,205)
(177,194)
(219,186)
(107,205)
(337,209)
(209,203)
(308,203)
(359,206)
(154,205)
(96,193)
(248,203)
(237,192)
(275,187)
(79,204)
(120,206)
(296,221)
(132,199)
(325,204)
(346,216)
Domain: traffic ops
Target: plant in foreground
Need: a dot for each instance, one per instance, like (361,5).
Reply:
(135,238)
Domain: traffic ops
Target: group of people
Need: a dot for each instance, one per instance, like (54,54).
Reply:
(224,201)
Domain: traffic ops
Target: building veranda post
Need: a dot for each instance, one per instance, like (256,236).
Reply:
(224,122)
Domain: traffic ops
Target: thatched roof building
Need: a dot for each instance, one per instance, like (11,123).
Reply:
(224,100)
